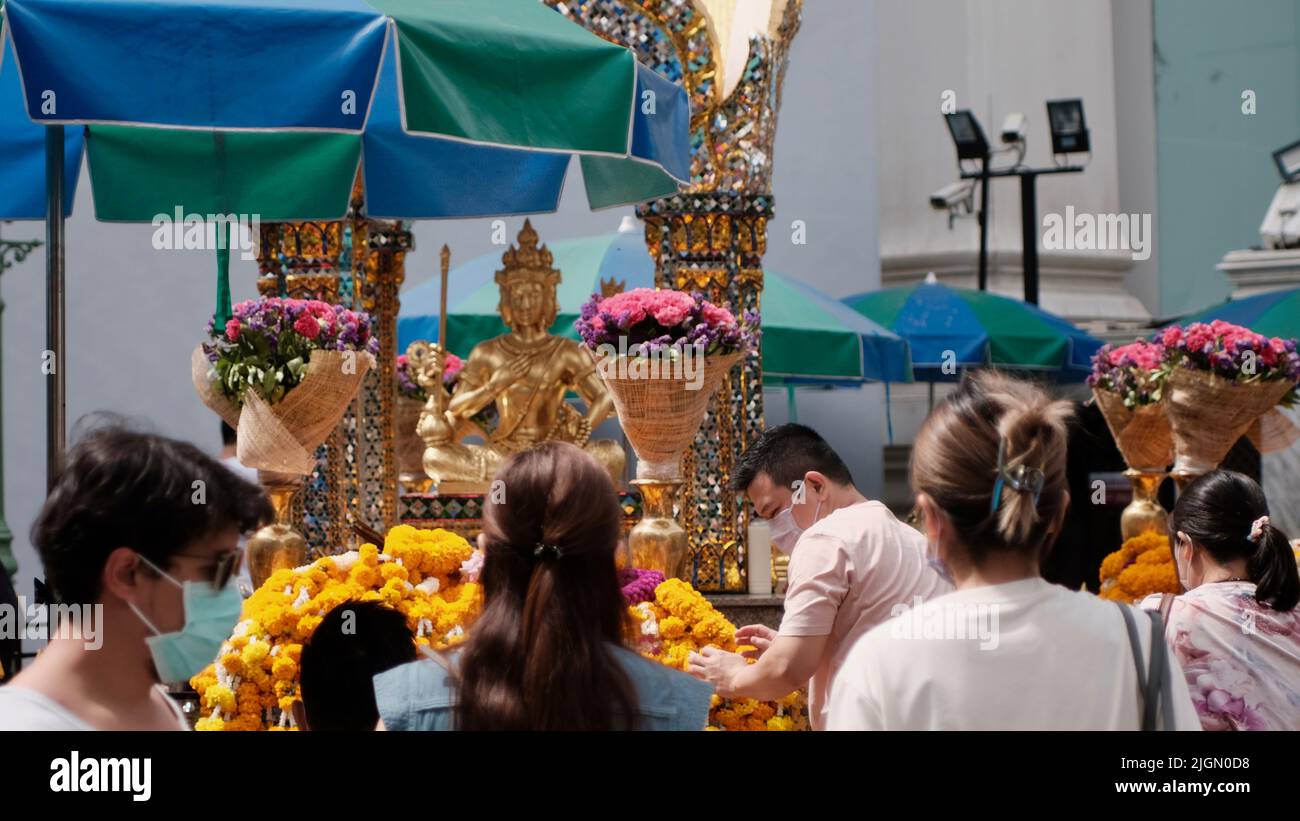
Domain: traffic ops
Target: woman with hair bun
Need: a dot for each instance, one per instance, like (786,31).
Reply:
(1236,630)
(1005,650)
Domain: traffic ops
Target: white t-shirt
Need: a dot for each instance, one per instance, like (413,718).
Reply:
(25,709)
(846,574)
(1025,655)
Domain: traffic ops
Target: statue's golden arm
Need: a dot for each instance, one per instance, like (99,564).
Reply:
(599,403)
(469,399)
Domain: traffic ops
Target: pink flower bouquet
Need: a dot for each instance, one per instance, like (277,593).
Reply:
(662,354)
(1128,385)
(282,372)
(1222,379)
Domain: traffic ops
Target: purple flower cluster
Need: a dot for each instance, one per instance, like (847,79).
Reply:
(267,342)
(1135,371)
(406,384)
(1232,351)
(639,585)
(655,319)
(296,323)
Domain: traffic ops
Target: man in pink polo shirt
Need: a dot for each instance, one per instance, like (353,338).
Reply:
(851,562)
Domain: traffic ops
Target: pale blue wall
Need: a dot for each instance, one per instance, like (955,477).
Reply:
(1216,173)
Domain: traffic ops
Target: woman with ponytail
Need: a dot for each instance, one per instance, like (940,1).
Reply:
(1236,629)
(1005,650)
(548,652)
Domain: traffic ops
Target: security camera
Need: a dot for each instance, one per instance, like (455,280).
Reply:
(951,196)
(1013,128)
(1281,226)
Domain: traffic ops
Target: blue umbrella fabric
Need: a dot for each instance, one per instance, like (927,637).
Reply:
(22,153)
(449,129)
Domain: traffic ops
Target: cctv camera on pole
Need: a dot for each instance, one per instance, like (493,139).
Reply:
(1281,226)
(971,145)
(1069,136)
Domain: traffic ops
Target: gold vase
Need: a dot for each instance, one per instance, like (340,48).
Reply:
(1144,512)
(277,546)
(658,542)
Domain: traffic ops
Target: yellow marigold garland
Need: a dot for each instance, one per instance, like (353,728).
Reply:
(679,622)
(254,682)
(1143,565)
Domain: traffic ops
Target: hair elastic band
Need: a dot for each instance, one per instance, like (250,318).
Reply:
(547,551)
(1257,528)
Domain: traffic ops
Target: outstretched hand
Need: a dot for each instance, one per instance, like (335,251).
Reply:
(717,667)
(758,636)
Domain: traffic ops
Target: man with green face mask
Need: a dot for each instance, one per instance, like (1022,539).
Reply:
(139,539)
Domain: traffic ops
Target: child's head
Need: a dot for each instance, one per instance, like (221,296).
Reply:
(353,643)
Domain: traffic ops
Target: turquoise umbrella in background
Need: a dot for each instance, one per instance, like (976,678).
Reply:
(809,338)
(1275,313)
(970,328)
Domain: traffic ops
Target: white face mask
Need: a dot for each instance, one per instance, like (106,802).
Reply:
(786,531)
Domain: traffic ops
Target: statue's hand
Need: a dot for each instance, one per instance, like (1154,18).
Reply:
(427,362)
(512,372)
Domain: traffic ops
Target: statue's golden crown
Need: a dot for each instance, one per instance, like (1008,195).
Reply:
(528,261)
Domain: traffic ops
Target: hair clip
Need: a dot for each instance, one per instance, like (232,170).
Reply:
(546,551)
(1257,528)
(1019,477)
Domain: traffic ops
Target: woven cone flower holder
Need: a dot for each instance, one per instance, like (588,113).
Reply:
(661,413)
(282,438)
(1273,432)
(1142,434)
(1208,414)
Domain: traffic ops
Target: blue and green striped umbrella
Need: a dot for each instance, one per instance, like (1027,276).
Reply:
(969,328)
(1275,313)
(450,108)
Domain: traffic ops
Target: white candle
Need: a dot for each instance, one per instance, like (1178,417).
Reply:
(760,558)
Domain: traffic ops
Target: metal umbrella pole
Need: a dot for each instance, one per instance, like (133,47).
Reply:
(53,365)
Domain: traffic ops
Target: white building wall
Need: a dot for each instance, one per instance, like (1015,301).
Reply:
(999,56)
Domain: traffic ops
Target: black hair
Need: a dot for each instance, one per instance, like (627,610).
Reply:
(785,453)
(227,434)
(353,643)
(124,488)
(1218,512)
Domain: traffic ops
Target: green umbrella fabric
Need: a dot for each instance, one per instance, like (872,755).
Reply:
(1275,313)
(971,328)
(450,108)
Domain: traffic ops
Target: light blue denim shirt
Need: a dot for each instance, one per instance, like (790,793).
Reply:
(420,695)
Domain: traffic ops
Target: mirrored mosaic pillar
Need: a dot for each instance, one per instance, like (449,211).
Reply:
(711,237)
(359,263)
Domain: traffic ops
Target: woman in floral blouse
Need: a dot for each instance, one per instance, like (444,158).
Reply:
(1236,630)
